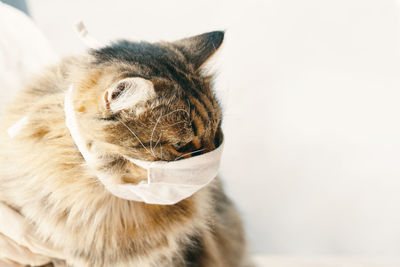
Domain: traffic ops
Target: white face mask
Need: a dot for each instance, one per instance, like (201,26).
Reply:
(168,182)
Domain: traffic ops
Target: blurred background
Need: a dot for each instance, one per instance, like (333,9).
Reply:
(311,93)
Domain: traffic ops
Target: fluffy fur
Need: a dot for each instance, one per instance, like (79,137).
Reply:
(44,176)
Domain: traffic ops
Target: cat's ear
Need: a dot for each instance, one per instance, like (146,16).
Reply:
(128,92)
(199,48)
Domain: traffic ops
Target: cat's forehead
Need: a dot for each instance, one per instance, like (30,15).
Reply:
(161,63)
(156,59)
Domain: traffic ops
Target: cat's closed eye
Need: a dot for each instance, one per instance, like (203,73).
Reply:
(178,145)
(184,147)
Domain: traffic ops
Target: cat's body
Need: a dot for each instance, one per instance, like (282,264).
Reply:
(44,176)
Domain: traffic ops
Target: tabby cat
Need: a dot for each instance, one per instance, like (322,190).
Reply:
(44,176)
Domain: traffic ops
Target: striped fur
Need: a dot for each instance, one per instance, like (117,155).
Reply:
(44,176)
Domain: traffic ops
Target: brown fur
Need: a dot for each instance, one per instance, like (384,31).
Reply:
(44,176)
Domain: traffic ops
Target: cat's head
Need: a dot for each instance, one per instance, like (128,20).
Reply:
(150,100)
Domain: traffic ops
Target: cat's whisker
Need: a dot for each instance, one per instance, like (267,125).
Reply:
(181,109)
(155,146)
(190,153)
(190,110)
(130,130)
(152,133)
(176,110)
(159,138)
(172,124)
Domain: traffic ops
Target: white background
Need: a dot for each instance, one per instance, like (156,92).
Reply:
(310,91)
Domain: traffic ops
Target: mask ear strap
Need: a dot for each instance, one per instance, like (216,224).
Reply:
(143,164)
(86,38)
(72,125)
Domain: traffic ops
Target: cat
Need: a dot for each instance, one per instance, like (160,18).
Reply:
(173,114)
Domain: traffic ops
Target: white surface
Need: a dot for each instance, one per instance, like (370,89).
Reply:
(325,261)
(23,50)
(310,90)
